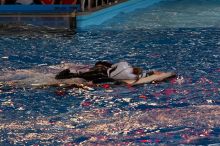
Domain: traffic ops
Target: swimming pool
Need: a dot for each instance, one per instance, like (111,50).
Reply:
(180,36)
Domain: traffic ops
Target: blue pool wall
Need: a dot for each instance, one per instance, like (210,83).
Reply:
(12,14)
(97,18)
(35,9)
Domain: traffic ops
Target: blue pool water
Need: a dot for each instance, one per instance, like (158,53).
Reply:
(180,36)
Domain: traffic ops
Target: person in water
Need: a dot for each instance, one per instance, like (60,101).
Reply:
(107,72)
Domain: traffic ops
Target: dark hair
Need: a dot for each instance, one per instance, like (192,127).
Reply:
(137,71)
(104,63)
(57,1)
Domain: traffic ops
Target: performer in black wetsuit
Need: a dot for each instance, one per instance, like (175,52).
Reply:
(96,74)
(107,72)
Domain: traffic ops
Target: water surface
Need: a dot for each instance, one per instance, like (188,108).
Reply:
(175,35)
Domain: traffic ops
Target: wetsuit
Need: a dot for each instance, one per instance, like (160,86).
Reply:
(97,74)
(106,72)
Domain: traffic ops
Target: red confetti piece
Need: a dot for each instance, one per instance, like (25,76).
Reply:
(173,81)
(52,123)
(60,92)
(143,96)
(157,94)
(106,86)
(101,138)
(146,141)
(101,111)
(204,80)
(143,141)
(215,90)
(139,131)
(129,85)
(86,103)
(157,141)
(169,92)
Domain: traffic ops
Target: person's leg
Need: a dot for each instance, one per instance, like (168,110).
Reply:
(8,2)
(66,74)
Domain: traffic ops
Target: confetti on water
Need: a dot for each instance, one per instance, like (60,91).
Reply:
(127,99)
(21,109)
(106,86)
(86,103)
(5,57)
(44,64)
(169,91)
(146,141)
(180,80)
(109,91)
(60,92)
(209,101)
(100,124)
(143,96)
(8,103)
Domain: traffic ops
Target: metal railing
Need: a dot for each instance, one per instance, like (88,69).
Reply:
(87,5)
